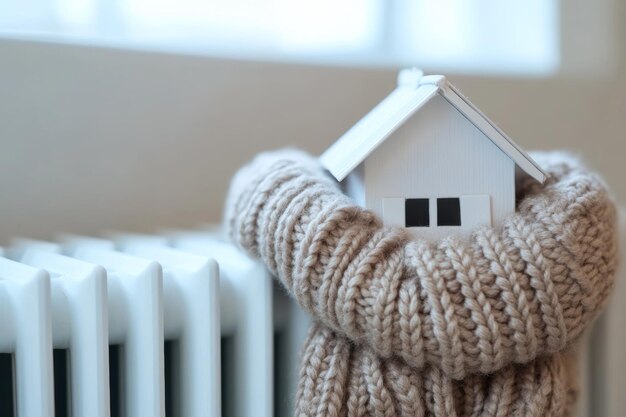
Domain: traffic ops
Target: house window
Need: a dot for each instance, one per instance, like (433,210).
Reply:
(416,212)
(448,212)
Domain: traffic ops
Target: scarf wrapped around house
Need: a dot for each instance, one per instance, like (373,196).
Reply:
(480,326)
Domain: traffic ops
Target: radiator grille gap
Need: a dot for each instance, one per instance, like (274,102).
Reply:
(62,383)
(228,380)
(169,367)
(7,385)
(115,380)
(281,370)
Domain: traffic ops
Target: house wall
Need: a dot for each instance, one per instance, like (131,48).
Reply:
(354,185)
(439,153)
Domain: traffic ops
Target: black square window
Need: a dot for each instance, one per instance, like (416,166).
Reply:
(416,212)
(448,212)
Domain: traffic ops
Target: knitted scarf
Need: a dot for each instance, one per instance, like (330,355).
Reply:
(478,326)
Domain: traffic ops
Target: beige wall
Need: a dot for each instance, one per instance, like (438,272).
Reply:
(94,138)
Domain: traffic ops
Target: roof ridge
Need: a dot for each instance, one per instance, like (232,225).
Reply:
(415,78)
(437,80)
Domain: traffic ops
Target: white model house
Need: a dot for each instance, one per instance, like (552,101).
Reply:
(427,159)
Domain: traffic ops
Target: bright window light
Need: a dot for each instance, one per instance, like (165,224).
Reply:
(482,35)
(272,25)
(515,36)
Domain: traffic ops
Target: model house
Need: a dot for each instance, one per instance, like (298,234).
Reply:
(427,159)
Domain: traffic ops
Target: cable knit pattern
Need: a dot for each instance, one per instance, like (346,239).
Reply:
(339,378)
(401,320)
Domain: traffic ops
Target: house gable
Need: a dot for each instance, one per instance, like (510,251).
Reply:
(438,154)
(414,91)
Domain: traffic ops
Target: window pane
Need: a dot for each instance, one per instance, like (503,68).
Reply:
(448,212)
(485,36)
(416,212)
(261,26)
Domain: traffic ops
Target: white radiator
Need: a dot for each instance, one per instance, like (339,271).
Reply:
(181,324)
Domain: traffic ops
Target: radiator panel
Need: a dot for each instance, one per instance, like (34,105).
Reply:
(129,294)
(192,318)
(137,290)
(79,321)
(26,300)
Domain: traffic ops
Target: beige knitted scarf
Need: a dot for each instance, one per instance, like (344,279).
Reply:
(462,327)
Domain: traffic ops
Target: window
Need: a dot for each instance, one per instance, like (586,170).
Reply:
(449,35)
(448,212)
(416,212)
(480,35)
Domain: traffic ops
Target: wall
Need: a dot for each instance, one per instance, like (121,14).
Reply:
(96,138)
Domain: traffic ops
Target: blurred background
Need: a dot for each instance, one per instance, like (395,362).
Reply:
(134,114)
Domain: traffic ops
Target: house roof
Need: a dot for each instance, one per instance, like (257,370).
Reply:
(413,92)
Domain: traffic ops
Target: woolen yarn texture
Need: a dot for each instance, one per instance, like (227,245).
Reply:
(475,326)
